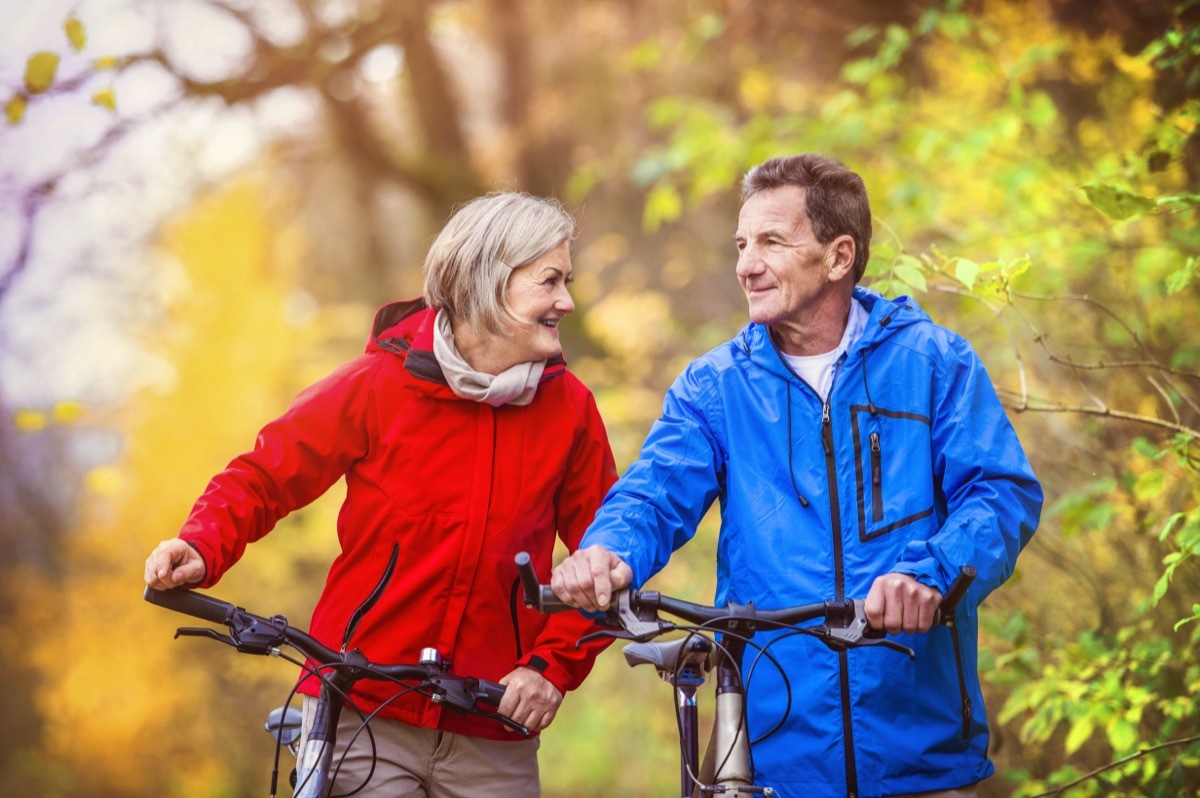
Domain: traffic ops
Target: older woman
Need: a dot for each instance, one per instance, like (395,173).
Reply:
(463,439)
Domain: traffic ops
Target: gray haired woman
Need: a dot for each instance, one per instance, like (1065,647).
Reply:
(462,439)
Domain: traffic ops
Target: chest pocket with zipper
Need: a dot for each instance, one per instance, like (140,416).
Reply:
(893,470)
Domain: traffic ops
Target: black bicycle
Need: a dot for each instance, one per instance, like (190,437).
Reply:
(685,662)
(338,671)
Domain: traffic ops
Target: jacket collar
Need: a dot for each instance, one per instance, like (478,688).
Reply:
(885,317)
(406,328)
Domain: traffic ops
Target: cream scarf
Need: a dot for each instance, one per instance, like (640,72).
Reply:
(515,385)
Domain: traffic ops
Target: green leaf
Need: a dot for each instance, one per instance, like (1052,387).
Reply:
(40,70)
(1117,202)
(663,204)
(76,34)
(1042,112)
(1122,736)
(1170,525)
(965,271)
(1150,485)
(1081,730)
(1180,279)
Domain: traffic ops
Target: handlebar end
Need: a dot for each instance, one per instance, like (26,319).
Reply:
(537,596)
(958,589)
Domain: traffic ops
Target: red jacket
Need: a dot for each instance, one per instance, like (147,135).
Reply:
(459,485)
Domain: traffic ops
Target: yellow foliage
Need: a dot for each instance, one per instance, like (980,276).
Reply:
(67,412)
(14,109)
(40,70)
(30,420)
(105,98)
(103,481)
(76,33)
(129,694)
(630,325)
(756,89)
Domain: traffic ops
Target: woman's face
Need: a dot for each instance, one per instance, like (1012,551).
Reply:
(538,299)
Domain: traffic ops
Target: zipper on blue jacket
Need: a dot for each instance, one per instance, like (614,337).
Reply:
(876,479)
(840,587)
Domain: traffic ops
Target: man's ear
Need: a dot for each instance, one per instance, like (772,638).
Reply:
(840,255)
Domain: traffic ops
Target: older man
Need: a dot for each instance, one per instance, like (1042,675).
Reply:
(856,448)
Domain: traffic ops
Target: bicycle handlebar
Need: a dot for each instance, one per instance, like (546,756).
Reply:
(254,634)
(191,603)
(636,612)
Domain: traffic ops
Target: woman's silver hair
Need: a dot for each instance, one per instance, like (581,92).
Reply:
(469,265)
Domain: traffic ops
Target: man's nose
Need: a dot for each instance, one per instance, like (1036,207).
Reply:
(748,262)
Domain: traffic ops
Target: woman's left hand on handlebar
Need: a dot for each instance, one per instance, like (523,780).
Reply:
(174,563)
(529,698)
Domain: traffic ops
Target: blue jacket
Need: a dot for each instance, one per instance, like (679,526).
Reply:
(911,467)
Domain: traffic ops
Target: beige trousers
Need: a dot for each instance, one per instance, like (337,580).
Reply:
(961,792)
(411,762)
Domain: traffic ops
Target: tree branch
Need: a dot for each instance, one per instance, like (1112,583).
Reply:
(1103,412)
(1093,774)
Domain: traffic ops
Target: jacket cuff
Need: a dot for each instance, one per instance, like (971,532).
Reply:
(209,578)
(553,673)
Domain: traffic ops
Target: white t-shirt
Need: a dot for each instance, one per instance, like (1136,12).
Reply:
(818,370)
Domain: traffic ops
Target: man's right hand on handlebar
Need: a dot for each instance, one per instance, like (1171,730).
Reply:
(174,563)
(587,579)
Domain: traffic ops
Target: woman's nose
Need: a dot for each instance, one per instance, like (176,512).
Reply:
(564,303)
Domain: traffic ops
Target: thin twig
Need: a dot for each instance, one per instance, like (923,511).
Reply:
(1167,397)
(1105,413)
(1093,774)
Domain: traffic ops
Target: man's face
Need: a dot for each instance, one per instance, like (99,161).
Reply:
(781,267)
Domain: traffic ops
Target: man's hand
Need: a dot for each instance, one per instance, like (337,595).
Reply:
(529,698)
(588,577)
(173,564)
(899,603)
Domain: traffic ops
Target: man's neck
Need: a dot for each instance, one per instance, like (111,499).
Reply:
(817,334)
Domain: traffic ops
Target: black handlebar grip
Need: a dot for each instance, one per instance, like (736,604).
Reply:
(491,692)
(191,603)
(957,590)
(537,596)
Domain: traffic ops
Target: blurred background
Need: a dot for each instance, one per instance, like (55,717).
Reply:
(203,202)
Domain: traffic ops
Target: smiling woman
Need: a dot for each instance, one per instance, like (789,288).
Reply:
(463,439)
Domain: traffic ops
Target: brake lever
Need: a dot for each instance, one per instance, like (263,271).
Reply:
(458,696)
(507,721)
(621,634)
(191,631)
(854,631)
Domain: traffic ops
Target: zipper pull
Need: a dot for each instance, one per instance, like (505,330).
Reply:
(826,430)
(875,459)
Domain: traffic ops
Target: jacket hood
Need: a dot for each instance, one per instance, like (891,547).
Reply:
(885,317)
(406,328)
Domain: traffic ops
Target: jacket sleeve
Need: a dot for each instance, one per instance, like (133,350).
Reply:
(590,472)
(295,459)
(659,502)
(993,500)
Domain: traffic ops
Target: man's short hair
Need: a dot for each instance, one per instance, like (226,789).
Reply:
(835,198)
(468,267)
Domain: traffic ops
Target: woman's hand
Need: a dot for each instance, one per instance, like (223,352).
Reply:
(174,564)
(529,699)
